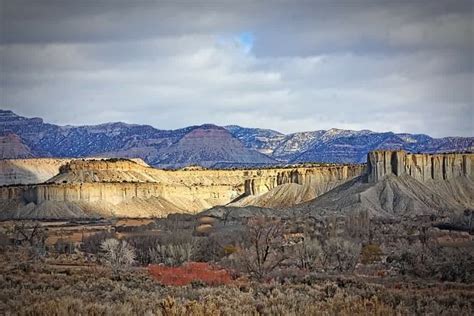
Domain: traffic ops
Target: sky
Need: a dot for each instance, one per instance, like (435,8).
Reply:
(400,65)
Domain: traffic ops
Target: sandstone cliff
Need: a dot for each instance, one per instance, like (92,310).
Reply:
(422,167)
(127,188)
(402,184)
(284,188)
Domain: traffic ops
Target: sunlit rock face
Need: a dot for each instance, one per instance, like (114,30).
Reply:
(391,182)
(120,187)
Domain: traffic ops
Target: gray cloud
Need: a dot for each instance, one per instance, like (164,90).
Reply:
(395,65)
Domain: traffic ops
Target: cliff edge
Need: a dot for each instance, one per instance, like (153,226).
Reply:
(402,184)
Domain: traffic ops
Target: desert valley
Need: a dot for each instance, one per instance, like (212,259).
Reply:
(254,157)
(199,238)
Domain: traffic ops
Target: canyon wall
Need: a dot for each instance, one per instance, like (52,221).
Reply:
(269,179)
(423,167)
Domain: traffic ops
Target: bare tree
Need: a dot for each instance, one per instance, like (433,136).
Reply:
(340,254)
(265,252)
(34,237)
(308,253)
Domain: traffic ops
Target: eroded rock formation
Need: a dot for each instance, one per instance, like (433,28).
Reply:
(402,184)
(130,188)
(422,167)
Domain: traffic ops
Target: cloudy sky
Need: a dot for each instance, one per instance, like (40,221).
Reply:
(400,65)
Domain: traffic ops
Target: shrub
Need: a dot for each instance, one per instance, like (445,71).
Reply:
(308,253)
(191,272)
(171,254)
(340,254)
(91,244)
(117,254)
(64,247)
(371,253)
(230,249)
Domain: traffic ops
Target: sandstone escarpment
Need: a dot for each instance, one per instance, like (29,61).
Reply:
(422,167)
(266,180)
(285,188)
(403,184)
(104,187)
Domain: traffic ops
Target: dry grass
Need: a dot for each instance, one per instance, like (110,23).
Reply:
(44,289)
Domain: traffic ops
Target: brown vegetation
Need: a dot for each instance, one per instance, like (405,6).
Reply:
(332,266)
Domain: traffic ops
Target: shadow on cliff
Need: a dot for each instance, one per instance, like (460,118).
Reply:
(19,176)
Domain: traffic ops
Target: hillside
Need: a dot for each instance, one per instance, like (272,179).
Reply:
(11,146)
(29,171)
(344,146)
(208,145)
(205,145)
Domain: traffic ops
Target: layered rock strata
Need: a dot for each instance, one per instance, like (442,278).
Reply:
(422,167)
(402,184)
(128,188)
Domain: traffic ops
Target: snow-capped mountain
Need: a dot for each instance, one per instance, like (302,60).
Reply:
(208,145)
(338,145)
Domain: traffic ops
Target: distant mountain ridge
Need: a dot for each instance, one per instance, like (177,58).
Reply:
(346,146)
(207,145)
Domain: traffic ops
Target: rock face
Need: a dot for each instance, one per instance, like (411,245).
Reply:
(402,184)
(130,189)
(285,188)
(422,167)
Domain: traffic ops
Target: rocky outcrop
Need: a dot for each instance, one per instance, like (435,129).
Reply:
(422,167)
(104,187)
(402,184)
(280,188)
(265,180)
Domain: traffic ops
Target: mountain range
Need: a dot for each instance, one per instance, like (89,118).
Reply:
(206,145)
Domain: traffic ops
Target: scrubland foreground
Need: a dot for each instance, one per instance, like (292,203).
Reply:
(184,265)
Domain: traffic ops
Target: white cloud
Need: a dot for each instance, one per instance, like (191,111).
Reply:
(401,68)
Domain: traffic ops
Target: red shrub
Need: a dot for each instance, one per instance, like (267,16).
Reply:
(189,272)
